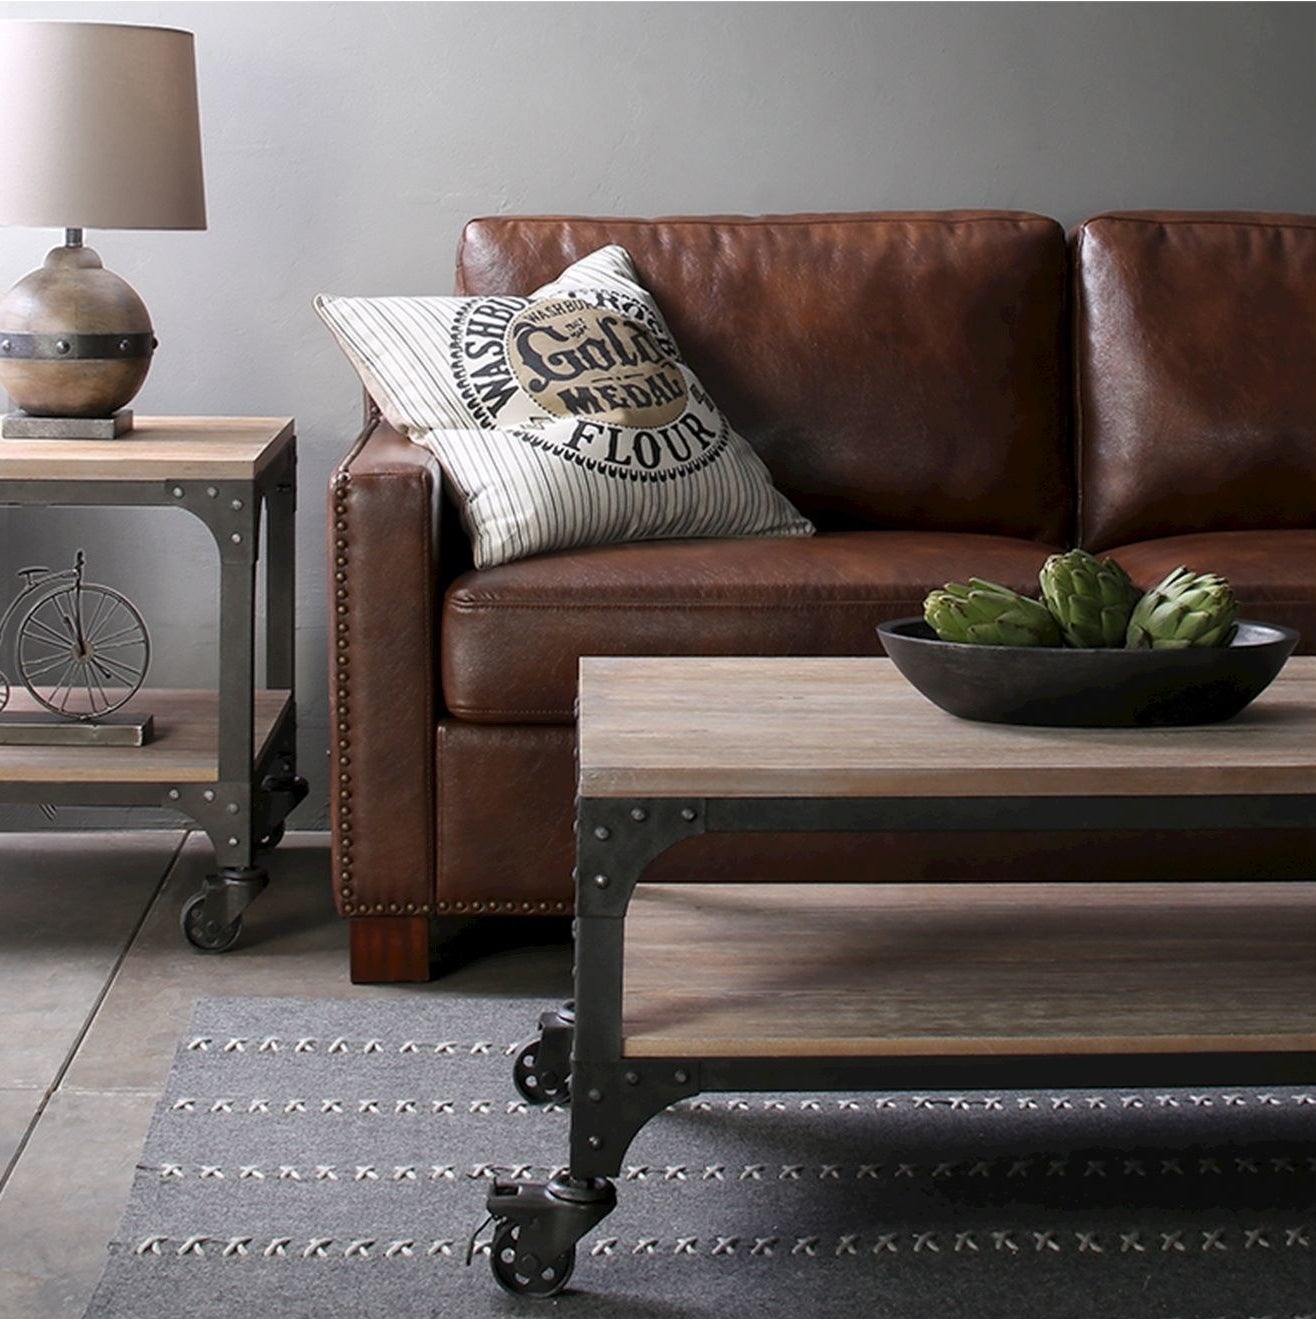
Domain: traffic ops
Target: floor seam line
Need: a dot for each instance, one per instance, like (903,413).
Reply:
(93,1013)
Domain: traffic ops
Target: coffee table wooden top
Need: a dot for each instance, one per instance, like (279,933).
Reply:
(770,727)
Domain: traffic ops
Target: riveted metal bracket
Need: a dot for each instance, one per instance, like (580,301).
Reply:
(230,510)
(611,1101)
(619,838)
(226,812)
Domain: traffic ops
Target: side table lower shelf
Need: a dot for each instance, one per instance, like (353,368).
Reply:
(179,769)
(183,750)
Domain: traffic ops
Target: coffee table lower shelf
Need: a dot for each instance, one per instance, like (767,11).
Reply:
(1060,972)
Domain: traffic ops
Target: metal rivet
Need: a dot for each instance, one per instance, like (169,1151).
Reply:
(596,1142)
(233,842)
(687,813)
(600,881)
(632,1078)
(602,833)
(62,346)
(236,505)
(212,491)
(639,814)
(7,346)
(232,808)
(595,1096)
(178,492)
(173,794)
(681,1076)
(236,538)
(209,794)
(125,345)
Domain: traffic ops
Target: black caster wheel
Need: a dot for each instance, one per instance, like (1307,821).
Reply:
(534,1086)
(547,1280)
(268,842)
(207,936)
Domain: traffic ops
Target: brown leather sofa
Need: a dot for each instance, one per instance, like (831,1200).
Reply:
(943,394)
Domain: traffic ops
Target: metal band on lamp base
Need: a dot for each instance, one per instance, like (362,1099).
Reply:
(76,347)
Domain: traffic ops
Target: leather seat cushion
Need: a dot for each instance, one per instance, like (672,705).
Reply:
(1273,573)
(513,635)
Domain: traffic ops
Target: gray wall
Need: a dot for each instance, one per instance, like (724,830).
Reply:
(347,143)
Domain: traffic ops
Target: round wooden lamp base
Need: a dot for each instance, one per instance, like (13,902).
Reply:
(75,345)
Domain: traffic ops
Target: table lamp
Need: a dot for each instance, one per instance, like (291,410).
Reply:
(100,131)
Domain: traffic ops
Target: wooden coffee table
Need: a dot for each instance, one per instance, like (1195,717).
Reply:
(683,988)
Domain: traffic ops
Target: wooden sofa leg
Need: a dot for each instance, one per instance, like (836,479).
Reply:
(389,949)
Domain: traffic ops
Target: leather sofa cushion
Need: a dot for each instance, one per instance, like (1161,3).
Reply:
(513,635)
(1273,573)
(1195,338)
(895,370)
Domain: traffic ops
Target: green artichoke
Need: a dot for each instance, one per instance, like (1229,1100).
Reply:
(1186,609)
(1091,598)
(987,614)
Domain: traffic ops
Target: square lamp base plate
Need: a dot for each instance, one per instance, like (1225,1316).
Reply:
(34,729)
(23,426)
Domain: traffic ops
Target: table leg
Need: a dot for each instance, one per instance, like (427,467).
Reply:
(283,788)
(212,919)
(536,1225)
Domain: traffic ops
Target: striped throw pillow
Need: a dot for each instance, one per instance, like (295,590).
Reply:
(564,419)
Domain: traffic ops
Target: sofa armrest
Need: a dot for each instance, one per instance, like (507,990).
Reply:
(384,513)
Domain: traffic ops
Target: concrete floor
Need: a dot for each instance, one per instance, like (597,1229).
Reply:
(96,987)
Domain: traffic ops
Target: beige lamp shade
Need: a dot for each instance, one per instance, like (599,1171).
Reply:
(101,129)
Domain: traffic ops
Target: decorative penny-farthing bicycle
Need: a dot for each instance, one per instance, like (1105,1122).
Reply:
(79,648)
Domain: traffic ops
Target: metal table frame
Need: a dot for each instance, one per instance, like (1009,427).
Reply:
(612,1097)
(244,808)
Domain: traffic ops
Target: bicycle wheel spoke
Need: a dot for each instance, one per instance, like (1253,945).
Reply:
(112,613)
(65,686)
(45,665)
(86,682)
(114,668)
(132,631)
(103,598)
(48,633)
(66,606)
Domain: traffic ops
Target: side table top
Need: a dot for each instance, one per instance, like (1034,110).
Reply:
(772,727)
(157,448)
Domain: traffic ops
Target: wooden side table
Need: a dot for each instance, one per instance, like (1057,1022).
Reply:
(227,758)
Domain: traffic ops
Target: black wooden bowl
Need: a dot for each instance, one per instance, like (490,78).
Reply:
(1063,688)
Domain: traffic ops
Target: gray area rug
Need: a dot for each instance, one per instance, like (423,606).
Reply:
(330,1158)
